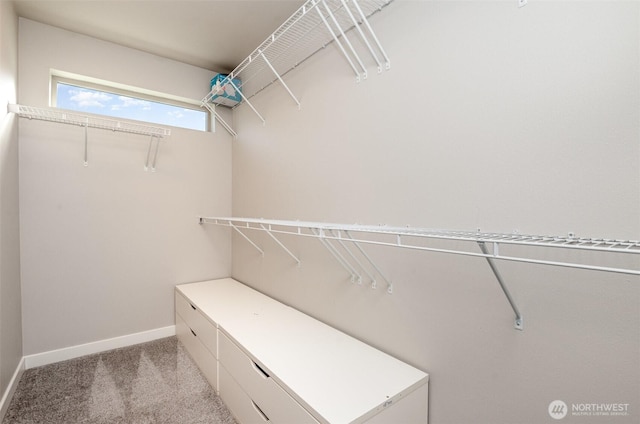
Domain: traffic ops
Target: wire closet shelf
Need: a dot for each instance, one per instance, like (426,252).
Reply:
(67,117)
(63,116)
(316,24)
(404,236)
(492,246)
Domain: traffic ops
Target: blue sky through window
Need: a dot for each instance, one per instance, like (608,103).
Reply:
(104,103)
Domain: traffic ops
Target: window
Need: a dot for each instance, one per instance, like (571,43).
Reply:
(88,97)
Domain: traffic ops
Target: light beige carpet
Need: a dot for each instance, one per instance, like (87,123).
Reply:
(155,382)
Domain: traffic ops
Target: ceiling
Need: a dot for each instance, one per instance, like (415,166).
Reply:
(211,34)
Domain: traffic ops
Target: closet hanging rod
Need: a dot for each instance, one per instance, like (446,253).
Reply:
(402,236)
(91,121)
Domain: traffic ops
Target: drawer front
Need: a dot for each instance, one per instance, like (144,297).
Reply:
(207,363)
(204,329)
(240,405)
(276,404)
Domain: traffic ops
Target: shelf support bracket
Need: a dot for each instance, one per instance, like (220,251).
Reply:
(344,37)
(386,280)
(268,231)
(146,164)
(86,142)
(338,43)
(373,34)
(230,80)
(362,36)
(356,260)
(519,324)
(226,126)
(155,156)
(279,78)
(355,276)
(246,238)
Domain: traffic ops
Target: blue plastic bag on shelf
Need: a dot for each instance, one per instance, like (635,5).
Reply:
(229,94)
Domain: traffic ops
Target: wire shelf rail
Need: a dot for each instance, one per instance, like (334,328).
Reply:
(335,238)
(63,116)
(316,24)
(66,117)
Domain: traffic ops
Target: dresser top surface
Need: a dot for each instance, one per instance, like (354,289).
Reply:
(338,376)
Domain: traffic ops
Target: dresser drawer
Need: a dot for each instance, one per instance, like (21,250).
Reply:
(207,363)
(204,329)
(240,404)
(275,403)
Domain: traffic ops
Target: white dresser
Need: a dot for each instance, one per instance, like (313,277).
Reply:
(272,363)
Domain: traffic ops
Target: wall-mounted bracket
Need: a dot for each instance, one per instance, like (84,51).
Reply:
(519,325)
(268,231)
(356,260)
(86,142)
(247,238)
(239,91)
(326,235)
(355,275)
(211,108)
(151,163)
(373,264)
(364,39)
(366,23)
(337,40)
(286,87)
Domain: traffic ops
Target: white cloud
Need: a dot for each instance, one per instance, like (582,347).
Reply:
(128,101)
(176,114)
(89,98)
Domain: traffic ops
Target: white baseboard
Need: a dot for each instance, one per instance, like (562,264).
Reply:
(52,356)
(11,388)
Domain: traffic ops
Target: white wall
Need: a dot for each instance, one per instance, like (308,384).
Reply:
(10,315)
(103,246)
(491,117)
